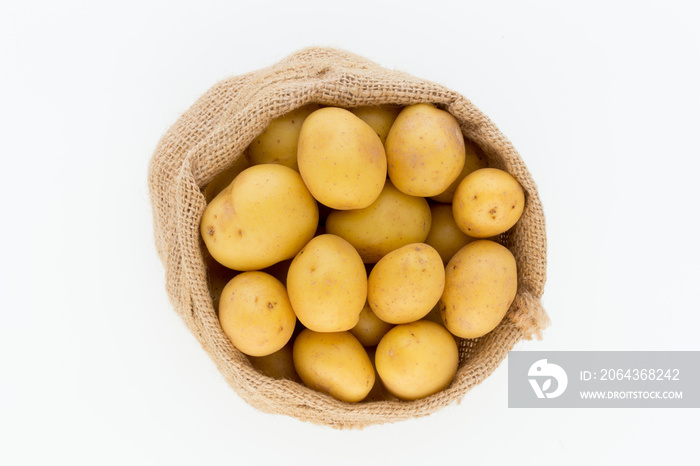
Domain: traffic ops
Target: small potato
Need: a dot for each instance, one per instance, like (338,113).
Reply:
(334,363)
(264,216)
(417,359)
(379,118)
(445,236)
(480,285)
(278,142)
(341,159)
(218,277)
(255,313)
(278,365)
(488,202)
(379,391)
(395,219)
(223,179)
(424,150)
(474,160)
(370,328)
(406,284)
(327,284)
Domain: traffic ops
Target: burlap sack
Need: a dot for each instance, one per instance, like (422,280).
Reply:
(214,133)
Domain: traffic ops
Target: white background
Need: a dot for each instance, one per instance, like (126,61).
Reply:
(601,100)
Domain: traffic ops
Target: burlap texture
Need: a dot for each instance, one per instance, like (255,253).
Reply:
(215,132)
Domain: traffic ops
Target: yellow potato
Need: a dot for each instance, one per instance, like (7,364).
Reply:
(379,391)
(278,365)
(488,202)
(379,118)
(327,284)
(406,284)
(223,179)
(417,359)
(334,363)
(474,160)
(264,216)
(218,277)
(480,285)
(395,219)
(424,150)
(370,328)
(278,143)
(255,313)
(444,234)
(341,159)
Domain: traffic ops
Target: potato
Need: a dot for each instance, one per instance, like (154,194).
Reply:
(278,365)
(406,284)
(341,159)
(218,277)
(327,284)
(417,359)
(379,118)
(379,391)
(266,215)
(278,142)
(474,160)
(488,202)
(444,235)
(255,313)
(395,219)
(223,179)
(334,363)
(424,150)
(480,285)
(370,328)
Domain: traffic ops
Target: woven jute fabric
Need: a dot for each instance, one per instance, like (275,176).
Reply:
(215,132)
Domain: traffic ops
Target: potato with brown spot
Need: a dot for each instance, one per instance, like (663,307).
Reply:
(424,150)
(488,202)
(341,159)
(481,281)
(266,215)
(327,284)
(406,284)
(334,363)
(416,360)
(395,219)
(255,313)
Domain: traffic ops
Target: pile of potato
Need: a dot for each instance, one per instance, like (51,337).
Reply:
(351,249)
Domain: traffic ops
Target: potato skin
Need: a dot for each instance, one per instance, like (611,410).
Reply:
(264,216)
(474,160)
(370,329)
(334,363)
(416,360)
(223,179)
(255,313)
(488,202)
(480,285)
(444,235)
(341,159)
(395,219)
(379,118)
(424,150)
(327,284)
(406,284)
(278,365)
(279,141)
